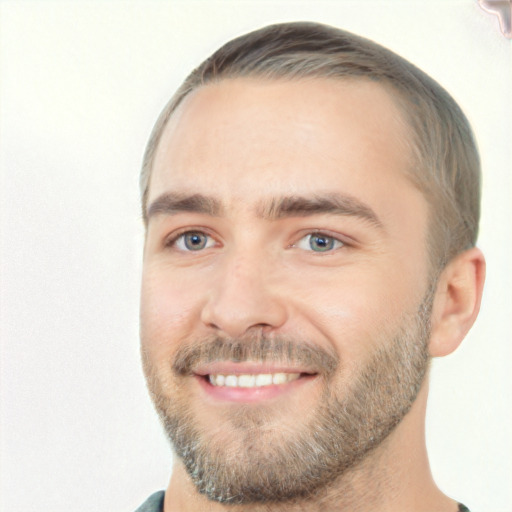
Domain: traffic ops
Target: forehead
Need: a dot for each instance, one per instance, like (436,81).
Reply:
(244,139)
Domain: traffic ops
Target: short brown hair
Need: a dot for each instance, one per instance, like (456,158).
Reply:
(446,163)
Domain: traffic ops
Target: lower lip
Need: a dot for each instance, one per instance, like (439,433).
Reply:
(255,394)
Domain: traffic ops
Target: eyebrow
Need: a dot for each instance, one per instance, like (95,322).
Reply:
(275,209)
(331,203)
(174,203)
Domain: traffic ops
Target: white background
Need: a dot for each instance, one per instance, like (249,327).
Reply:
(81,85)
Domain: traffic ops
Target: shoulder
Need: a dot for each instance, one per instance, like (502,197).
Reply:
(154,503)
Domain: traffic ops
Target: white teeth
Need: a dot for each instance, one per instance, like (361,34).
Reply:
(279,378)
(263,379)
(231,381)
(251,381)
(246,381)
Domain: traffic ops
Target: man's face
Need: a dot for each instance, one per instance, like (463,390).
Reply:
(285,295)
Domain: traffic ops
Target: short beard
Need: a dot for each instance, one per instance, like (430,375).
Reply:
(253,457)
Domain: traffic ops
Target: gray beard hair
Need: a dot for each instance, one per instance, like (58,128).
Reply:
(250,457)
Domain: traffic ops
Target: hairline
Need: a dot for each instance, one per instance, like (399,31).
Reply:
(444,162)
(394,94)
(176,102)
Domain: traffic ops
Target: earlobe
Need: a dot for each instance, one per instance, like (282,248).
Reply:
(456,301)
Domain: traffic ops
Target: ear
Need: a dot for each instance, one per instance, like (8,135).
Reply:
(457,301)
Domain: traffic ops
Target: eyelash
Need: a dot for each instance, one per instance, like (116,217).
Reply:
(173,240)
(338,243)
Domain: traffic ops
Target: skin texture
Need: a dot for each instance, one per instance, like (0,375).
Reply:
(248,144)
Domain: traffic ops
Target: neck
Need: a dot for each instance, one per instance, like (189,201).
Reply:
(395,477)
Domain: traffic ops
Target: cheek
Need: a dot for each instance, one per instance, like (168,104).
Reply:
(168,309)
(354,311)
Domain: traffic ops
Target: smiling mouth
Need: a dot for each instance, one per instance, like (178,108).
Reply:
(252,380)
(252,387)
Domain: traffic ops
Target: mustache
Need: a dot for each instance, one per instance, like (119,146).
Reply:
(255,348)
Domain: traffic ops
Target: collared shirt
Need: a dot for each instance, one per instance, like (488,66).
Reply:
(155,503)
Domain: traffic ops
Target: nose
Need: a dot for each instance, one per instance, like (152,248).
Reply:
(243,298)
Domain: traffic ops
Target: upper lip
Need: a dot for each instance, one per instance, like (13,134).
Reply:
(249,368)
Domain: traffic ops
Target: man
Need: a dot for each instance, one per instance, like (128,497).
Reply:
(311,202)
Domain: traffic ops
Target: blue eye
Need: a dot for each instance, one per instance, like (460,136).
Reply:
(193,241)
(319,242)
